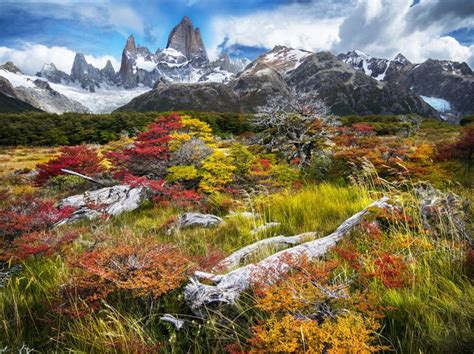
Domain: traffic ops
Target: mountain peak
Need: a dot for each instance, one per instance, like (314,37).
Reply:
(187,40)
(186,19)
(130,45)
(401,59)
(109,67)
(9,66)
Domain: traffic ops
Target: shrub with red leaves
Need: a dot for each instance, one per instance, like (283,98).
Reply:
(149,155)
(38,243)
(80,159)
(165,193)
(27,213)
(462,149)
(391,270)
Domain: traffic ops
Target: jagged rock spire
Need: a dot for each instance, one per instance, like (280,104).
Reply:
(187,39)
(130,45)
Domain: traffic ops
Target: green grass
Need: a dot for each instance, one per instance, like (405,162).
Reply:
(433,314)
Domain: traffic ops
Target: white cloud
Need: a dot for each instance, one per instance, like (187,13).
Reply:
(31,57)
(396,28)
(379,27)
(298,25)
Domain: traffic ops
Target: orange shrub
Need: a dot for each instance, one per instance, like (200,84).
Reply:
(146,269)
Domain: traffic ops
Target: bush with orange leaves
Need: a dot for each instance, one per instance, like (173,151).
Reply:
(309,312)
(137,270)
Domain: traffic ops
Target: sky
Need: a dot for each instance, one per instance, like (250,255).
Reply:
(37,32)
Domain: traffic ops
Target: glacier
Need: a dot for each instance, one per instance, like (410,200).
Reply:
(440,104)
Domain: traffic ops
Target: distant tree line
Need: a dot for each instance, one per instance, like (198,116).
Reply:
(46,129)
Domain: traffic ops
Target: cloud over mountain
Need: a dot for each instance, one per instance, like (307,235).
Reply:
(31,57)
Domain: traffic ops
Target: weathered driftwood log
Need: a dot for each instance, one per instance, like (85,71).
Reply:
(228,287)
(177,323)
(77,174)
(109,201)
(242,254)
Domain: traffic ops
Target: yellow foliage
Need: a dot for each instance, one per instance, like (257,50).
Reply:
(197,129)
(180,173)
(178,139)
(348,333)
(217,171)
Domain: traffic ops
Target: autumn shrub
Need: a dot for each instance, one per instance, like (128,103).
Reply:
(164,193)
(309,312)
(150,152)
(80,159)
(38,243)
(217,171)
(129,269)
(392,158)
(462,149)
(347,333)
(27,213)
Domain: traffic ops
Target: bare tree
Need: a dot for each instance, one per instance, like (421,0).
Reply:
(293,125)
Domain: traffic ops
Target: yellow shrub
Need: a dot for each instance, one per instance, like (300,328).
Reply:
(348,333)
(182,173)
(217,171)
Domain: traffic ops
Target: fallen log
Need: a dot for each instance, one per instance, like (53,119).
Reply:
(227,288)
(77,174)
(237,257)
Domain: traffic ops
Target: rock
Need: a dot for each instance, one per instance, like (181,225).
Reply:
(105,201)
(9,66)
(6,88)
(188,220)
(187,40)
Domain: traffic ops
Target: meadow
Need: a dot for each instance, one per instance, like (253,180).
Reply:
(400,280)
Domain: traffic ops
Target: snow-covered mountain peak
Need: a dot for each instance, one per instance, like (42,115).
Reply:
(283,59)
(400,58)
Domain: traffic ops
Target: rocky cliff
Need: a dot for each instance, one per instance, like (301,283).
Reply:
(186,39)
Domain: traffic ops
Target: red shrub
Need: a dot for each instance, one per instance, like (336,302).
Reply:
(28,213)
(391,270)
(150,153)
(363,129)
(44,243)
(462,149)
(80,159)
(165,193)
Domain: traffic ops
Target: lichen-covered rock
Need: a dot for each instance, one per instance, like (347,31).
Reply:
(105,201)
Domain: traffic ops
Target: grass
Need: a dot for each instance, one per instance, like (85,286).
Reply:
(433,314)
